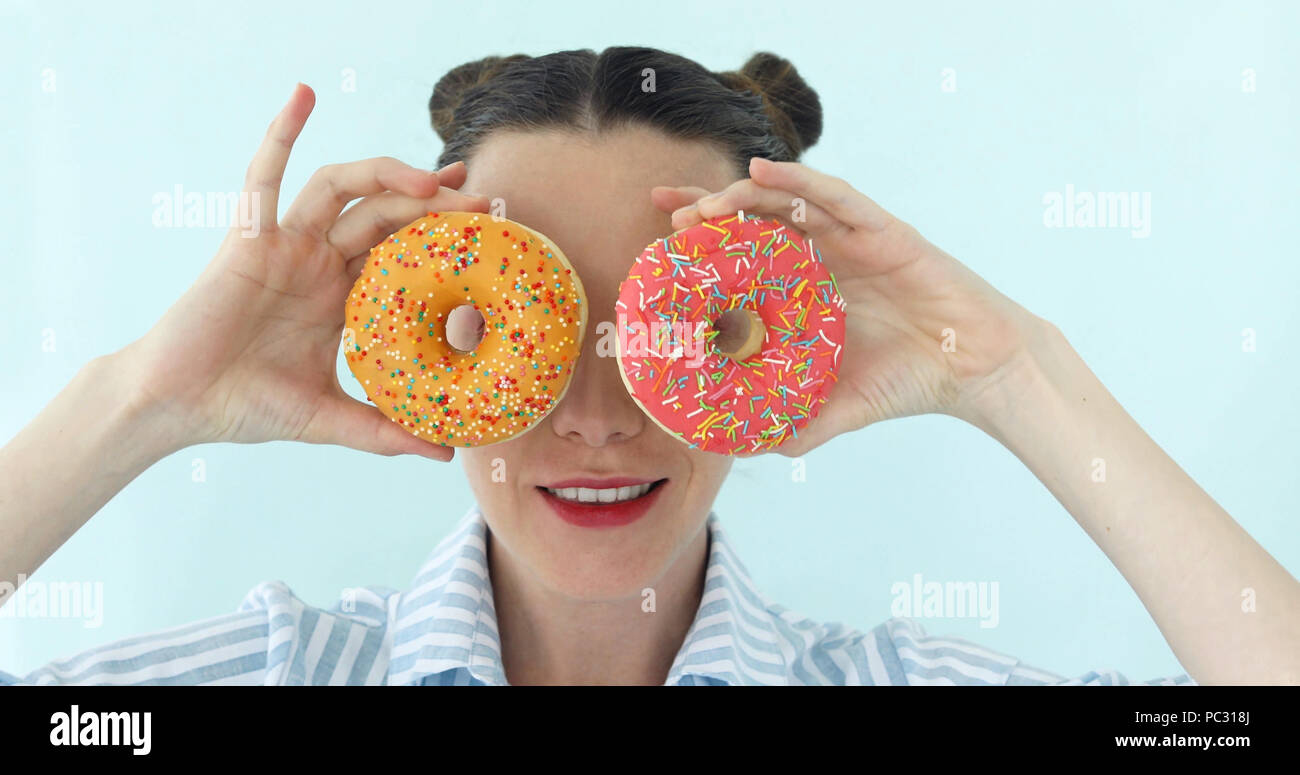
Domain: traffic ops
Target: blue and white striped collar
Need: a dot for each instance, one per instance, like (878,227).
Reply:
(445,623)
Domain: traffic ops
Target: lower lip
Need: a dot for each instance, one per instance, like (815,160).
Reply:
(602,514)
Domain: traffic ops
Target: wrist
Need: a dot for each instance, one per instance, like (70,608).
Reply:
(1028,387)
(134,410)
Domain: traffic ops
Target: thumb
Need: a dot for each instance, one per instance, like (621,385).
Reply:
(347,422)
(670,198)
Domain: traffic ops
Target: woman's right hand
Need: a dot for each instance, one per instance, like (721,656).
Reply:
(248,354)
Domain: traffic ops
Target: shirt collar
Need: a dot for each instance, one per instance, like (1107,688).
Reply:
(446,620)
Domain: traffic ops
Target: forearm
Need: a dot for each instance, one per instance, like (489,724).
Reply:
(88,443)
(1190,563)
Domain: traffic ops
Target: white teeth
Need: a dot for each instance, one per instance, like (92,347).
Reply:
(604,495)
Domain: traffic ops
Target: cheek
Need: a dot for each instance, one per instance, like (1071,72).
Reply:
(707,472)
(491,470)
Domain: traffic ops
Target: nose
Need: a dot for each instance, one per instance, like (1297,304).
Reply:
(597,410)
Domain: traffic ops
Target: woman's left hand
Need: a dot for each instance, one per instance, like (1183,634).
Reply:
(1015,376)
(925,333)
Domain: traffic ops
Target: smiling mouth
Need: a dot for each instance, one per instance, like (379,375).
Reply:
(603,495)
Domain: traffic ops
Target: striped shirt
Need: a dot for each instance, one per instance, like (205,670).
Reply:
(442,630)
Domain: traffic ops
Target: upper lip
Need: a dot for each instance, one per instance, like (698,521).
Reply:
(600,484)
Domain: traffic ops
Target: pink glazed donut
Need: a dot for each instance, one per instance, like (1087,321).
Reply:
(730,333)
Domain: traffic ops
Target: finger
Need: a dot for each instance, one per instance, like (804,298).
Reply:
(350,423)
(834,195)
(751,197)
(670,198)
(352,269)
(368,222)
(331,188)
(266,170)
(453,175)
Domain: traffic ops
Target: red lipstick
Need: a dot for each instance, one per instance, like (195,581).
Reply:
(615,514)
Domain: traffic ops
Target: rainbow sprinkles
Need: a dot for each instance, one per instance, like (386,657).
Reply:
(686,282)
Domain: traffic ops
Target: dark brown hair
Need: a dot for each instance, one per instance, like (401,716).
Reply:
(764,109)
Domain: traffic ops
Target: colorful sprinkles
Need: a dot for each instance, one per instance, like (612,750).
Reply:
(395,327)
(694,276)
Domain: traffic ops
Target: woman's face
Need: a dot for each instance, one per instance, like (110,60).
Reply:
(590,194)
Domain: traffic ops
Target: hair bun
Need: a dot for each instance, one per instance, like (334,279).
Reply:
(453,87)
(792,105)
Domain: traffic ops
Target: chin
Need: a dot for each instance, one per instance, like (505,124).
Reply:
(594,524)
(603,579)
(588,550)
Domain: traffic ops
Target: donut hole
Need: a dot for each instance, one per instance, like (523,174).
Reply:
(465,328)
(740,334)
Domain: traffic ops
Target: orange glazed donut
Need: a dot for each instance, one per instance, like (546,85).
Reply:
(522,299)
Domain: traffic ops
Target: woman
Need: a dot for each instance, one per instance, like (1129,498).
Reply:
(604,153)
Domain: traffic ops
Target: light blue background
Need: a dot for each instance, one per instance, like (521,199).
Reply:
(1106,96)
